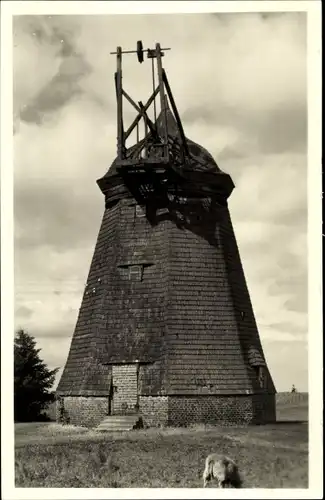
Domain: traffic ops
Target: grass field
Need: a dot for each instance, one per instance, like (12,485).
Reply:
(270,456)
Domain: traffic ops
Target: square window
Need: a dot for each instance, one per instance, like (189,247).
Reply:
(135,272)
(132,272)
(139,211)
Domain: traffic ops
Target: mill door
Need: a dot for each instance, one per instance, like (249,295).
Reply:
(125,389)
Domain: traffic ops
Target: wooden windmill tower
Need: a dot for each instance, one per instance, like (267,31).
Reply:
(166,329)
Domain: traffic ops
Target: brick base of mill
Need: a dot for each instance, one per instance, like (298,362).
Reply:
(175,411)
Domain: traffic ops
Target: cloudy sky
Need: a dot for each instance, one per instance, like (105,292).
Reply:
(239,81)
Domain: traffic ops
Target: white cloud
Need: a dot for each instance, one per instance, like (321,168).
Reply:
(40,62)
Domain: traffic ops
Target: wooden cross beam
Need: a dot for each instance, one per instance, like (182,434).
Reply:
(142,110)
(141,113)
(151,53)
(172,102)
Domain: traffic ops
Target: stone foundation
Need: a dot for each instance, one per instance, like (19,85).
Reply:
(154,410)
(83,411)
(175,411)
(264,406)
(222,410)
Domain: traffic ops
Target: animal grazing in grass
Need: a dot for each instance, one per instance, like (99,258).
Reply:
(223,469)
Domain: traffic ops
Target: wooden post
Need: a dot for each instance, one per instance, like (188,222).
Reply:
(162,100)
(119,95)
(145,149)
(174,108)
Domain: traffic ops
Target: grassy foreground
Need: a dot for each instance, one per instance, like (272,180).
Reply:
(270,456)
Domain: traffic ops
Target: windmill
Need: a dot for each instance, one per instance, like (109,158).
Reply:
(166,329)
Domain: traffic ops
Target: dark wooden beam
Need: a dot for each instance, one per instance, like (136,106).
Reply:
(151,51)
(140,109)
(162,100)
(138,118)
(150,124)
(131,101)
(175,111)
(120,134)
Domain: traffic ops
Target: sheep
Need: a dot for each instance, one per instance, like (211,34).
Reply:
(223,469)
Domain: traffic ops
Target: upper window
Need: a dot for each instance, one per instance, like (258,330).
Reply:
(133,272)
(140,211)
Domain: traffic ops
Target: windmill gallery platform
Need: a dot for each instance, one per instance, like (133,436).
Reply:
(166,329)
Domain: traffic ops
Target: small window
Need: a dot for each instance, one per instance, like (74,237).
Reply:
(135,272)
(139,211)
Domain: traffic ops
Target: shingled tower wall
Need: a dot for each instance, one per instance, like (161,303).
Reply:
(166,328)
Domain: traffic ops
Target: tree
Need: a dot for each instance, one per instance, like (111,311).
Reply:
(33,380)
